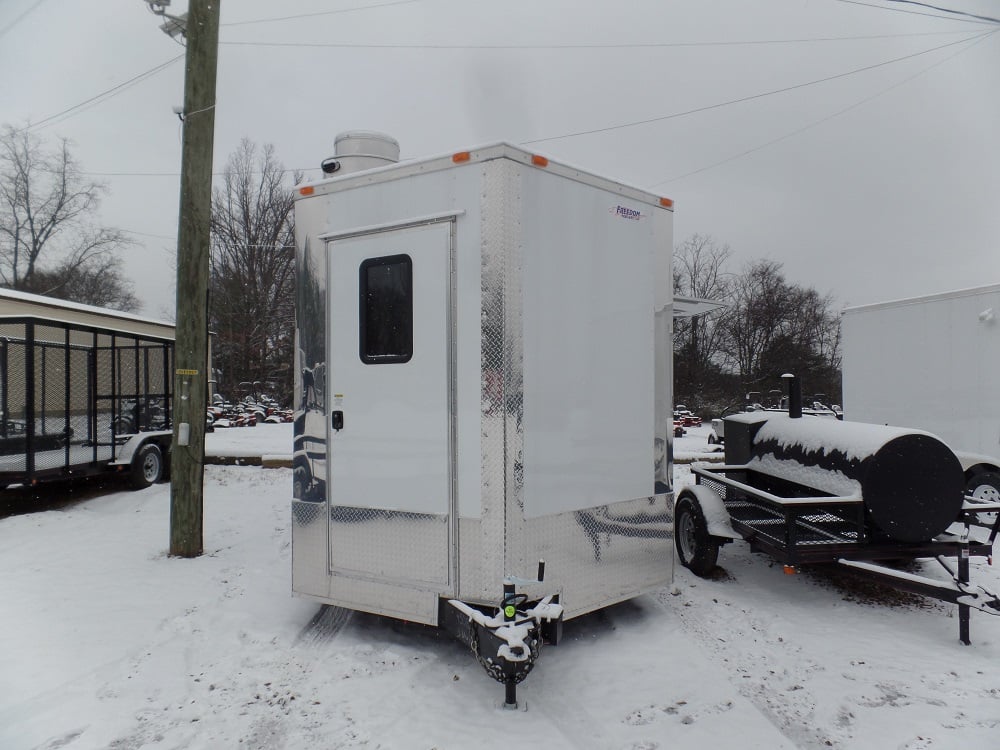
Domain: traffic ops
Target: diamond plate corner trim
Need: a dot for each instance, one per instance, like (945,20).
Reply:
(495,384)
(515,523)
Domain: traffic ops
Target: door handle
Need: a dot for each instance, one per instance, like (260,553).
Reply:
(337,420)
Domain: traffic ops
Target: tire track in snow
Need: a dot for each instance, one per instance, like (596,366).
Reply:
(323,627)
(743,643)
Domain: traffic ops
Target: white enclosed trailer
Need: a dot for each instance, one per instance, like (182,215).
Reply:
(932,363)
(485,382)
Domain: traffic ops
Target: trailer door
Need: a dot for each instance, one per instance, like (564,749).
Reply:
(390,373)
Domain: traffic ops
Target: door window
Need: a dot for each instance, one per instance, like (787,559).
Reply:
(386,315)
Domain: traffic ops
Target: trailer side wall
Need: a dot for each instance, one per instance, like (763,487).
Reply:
(929,363)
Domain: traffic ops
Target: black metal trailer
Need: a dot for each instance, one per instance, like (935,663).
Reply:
(900,498)
(79,400)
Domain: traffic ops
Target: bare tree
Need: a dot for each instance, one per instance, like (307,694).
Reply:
(47,227)
(699,271)
(98,282)
(252,272)
(773,327)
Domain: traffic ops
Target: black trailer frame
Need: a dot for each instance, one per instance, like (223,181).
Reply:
(797,525)
(73,398)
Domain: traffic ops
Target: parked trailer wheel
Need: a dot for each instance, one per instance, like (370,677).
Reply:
(147,466)
(984,487)
(697,550)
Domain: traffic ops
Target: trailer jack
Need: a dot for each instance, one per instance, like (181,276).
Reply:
(508,642)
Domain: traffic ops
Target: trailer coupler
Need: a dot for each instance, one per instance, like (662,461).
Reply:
(508,643)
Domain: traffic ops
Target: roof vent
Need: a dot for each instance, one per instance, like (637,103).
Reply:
(356,150)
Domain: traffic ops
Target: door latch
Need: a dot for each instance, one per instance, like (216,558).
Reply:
(337,420)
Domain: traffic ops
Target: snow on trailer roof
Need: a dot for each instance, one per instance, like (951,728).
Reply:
(488,152)
(954,294)
(15,304)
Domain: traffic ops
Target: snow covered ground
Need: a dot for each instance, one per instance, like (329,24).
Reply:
(106,642)
(693,445)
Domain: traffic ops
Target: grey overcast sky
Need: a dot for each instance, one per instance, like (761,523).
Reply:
(856,142)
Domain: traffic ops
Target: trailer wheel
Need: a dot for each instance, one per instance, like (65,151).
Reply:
(984,486)
(697,549)
(147,466)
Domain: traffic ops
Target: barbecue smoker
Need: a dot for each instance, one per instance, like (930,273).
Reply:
(808,490)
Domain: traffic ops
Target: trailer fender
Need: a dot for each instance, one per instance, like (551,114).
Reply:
(127,450)
(714,510)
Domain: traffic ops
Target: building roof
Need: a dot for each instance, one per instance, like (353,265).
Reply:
(13,303)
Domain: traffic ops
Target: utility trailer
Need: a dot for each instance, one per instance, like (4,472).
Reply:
(948,346)
(810,491)
(79,400)
(484,384)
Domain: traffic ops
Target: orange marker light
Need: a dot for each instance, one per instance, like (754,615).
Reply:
(667,202)
(539,161)
(790,570)
(461,156)
(307,190)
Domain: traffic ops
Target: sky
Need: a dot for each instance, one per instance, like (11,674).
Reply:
(852,141)
(128,648)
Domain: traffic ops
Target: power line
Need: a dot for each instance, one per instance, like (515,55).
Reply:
(638,45)
(178,174)
(319,13)
(947,10)
(106,94)
(824,119)
(115,90)
(20,18)
(147,234)
(743,99)
(911,12)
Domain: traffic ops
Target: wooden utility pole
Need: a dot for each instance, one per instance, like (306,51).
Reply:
(193,236)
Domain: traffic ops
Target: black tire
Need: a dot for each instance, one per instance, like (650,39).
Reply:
(147,466)
(712,440)
(984,486)
(697,550)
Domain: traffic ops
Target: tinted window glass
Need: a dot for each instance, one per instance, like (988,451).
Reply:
(387,309)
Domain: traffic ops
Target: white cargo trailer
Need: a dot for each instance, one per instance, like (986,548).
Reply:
(484,342)
(932,363)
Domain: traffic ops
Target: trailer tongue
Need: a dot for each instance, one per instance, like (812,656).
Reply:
(508,642)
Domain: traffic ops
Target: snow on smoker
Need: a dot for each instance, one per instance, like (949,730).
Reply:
(483,393)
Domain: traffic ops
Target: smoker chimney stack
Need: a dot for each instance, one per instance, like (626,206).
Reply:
(794,395)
